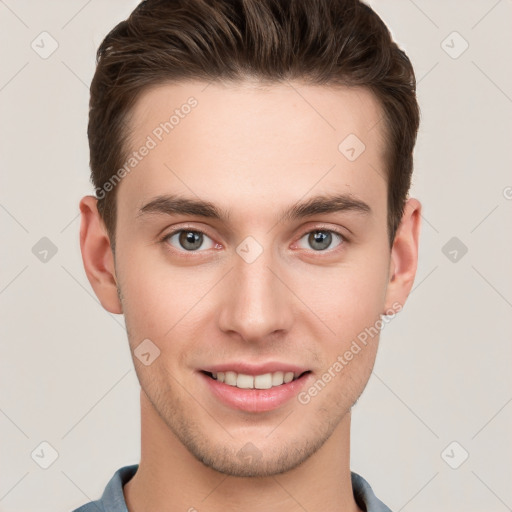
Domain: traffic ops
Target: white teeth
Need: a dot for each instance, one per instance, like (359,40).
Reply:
(245,381)
(277,378)
(230,378)
(264,381)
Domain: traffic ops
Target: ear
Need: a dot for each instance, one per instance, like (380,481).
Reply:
(404,256)
(97,255)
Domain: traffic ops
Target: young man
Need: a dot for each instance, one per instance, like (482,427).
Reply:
(252,161)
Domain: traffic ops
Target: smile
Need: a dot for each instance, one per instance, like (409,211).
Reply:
(257,391)
(263,381)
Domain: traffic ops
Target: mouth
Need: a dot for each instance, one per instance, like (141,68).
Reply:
(263,381)
(255,392)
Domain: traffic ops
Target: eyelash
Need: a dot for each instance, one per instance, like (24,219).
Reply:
(343,239)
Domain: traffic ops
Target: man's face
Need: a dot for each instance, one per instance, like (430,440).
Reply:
(254,291)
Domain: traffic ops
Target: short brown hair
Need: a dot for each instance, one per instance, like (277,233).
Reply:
(317,42)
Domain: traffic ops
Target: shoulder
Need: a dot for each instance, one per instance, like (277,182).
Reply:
(364,495)
(112,499)
(93,506)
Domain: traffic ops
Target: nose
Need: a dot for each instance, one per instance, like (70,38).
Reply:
(257,304)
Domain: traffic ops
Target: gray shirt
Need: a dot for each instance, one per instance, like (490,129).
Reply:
(112,499)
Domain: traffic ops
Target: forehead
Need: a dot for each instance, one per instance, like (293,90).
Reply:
(276,142)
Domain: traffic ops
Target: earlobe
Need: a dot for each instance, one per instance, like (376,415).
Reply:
(404,255)
(97,255)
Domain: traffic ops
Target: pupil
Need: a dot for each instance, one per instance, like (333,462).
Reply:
(322,238)
(190,240)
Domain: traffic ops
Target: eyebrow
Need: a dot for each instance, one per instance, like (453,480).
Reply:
(180,205)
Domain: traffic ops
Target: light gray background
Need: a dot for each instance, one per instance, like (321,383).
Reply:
(443,370)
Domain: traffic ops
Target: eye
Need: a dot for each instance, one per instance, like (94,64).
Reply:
(189,240)
(321,239)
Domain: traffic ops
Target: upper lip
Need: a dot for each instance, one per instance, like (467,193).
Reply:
(255,369)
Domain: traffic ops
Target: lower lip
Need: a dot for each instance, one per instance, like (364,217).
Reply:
(255,400)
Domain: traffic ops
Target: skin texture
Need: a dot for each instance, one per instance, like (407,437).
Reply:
(252,151)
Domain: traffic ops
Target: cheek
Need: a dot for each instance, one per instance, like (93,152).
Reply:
(348,298)
(147,294)
(162,302)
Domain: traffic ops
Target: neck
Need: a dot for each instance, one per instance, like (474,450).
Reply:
(170,478)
